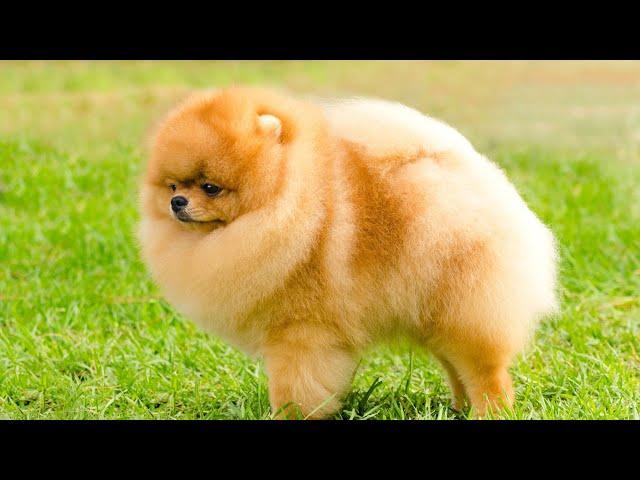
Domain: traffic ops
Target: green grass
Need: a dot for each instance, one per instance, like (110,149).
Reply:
(85,334)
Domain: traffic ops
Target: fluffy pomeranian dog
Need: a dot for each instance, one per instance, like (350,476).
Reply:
(304,232)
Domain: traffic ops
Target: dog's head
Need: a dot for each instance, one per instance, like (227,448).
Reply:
(215,158)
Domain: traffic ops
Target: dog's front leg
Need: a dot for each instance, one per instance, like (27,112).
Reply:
(308,375)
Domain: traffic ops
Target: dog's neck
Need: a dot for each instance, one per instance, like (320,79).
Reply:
(216,278)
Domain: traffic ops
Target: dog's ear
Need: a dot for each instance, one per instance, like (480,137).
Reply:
(270,125)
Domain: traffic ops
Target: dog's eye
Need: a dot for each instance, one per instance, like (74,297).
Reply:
(211,189)
(172,187)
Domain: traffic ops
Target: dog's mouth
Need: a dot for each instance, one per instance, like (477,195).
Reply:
(186,218)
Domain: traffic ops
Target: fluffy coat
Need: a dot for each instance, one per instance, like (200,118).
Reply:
(339,225)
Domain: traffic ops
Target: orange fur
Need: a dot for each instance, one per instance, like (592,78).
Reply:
(340,225)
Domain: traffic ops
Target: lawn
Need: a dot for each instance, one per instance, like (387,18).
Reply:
(84,333)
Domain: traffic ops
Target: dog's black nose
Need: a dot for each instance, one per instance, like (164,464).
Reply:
(178,203)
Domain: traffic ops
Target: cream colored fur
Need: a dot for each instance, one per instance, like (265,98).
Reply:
(442,251)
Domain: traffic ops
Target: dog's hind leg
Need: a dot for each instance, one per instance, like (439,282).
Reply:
(486,381)
(458,394)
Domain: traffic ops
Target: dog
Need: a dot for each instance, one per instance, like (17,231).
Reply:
(304,232)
